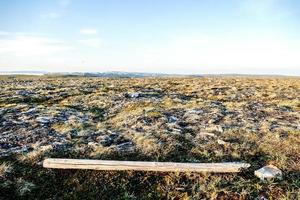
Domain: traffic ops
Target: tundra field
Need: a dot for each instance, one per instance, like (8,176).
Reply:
(178,119)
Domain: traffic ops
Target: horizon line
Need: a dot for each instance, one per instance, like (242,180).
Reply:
(42,72)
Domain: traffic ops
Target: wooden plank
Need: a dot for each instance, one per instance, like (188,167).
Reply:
(143,166)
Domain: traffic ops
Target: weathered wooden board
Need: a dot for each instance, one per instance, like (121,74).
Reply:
(143,166)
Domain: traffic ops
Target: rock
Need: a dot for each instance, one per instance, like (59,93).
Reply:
(261,197)
(205,134)
(43,120)
(220,129)
(126,146)
(222,142)
(268,172)
(215,128)
(73,133)
(183,123)
(17,150)
(17,122)
(59,145)
(195,111)
(113,136)
(273,125)
(132,95)
(30,111)
(84,133)
(216,119)
(24,93)
(172,119)
(191,117)
(286,108)
(93,144)
(216,104)
(105,140)
(176,131)
(2,111)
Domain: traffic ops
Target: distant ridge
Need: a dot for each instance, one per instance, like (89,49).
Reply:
(109,74)
(121,74)
(113,74)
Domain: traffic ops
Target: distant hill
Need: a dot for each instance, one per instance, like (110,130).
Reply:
(110,74)
(113,74)
(121,74)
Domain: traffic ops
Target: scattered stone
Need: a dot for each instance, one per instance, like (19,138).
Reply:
(132,95)
(183,123)
(192,117)
(126,146)
(2,111)
(222,142)
(216,119)
(59,145)
(17,150)
(84,133)
(105,140)
(43,120)
(172,119)
(73,133)
(30,111)
(195,111)
(268,172)
(216,104)
(93,144)
(24,93)
(206,135)
(176,131)
(286,108)
(17,122)
(261,197)
(215,128)
(113,136)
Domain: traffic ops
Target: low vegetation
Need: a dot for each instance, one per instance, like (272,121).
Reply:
(180,119)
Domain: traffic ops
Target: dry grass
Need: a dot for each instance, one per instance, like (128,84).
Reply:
(5,168)
(209,119)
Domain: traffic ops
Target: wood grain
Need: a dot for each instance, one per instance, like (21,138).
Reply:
(143,166)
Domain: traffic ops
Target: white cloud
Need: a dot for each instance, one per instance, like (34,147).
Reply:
(223,54)
(187,53)
(58,13)
(266,10)
(91,42)
(3,33)
(64,2)
(22,45)
(52,15)
(88,31)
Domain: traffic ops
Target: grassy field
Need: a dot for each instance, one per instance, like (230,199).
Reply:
(200,119)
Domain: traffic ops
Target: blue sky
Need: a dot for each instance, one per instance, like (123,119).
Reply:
(169,36)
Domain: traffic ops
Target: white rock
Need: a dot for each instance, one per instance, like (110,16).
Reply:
(197,112)
(268,172)
(215,128)
(43,120)
(206,134)
(172,119)
(222,142)
(134,95)
(92,144)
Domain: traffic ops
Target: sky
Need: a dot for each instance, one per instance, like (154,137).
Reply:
(166,36)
